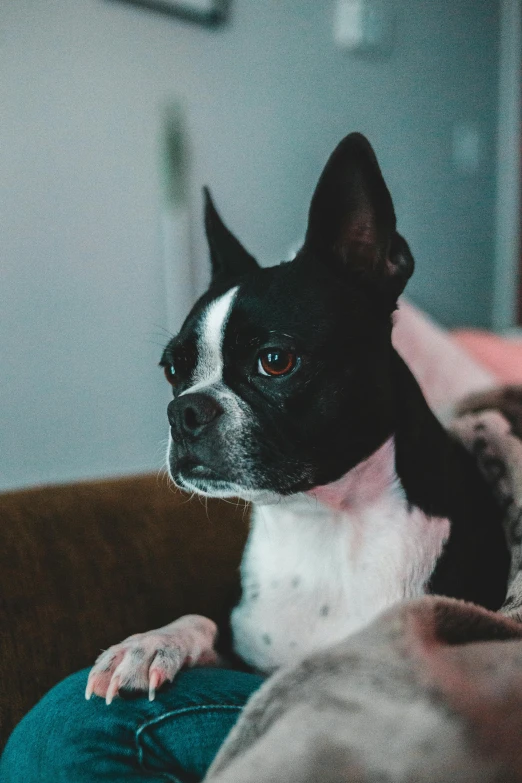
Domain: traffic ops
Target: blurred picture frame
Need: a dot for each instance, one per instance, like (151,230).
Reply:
(210,13)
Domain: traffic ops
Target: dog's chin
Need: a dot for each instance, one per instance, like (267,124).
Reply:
(204,481)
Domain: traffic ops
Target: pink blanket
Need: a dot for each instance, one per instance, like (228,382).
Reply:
(501,355)
(444,369)
(451,365)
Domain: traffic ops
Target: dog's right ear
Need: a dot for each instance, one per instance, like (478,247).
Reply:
(352,221)
(228,257)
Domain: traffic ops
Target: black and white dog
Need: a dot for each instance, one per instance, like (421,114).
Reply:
(287,392)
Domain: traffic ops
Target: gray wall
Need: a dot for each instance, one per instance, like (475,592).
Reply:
(82,89)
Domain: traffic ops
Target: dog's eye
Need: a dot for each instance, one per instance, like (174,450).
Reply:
(276,361)
(170,374)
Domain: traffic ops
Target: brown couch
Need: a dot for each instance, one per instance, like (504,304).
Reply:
(84,565)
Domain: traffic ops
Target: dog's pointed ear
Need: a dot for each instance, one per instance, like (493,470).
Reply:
(352,220)
(228,257)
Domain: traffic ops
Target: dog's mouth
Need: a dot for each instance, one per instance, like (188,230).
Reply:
(192,468)
(191,474)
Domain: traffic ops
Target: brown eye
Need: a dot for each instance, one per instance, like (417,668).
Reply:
(170,374)
(275,361)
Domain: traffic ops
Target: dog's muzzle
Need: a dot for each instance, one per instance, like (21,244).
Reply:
(196,440)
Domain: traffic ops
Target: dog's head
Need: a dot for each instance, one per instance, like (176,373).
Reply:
(281,376)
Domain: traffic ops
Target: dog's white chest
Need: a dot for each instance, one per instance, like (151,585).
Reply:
(313,573)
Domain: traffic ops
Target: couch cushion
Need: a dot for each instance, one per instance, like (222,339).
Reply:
(84,565)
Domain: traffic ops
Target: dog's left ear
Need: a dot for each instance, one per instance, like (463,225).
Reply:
(228,257)
(352,220)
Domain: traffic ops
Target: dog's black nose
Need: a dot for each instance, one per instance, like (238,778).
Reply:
(190,414)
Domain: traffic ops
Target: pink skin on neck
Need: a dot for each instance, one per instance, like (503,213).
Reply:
(362,485)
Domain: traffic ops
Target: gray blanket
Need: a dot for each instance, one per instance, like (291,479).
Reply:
(430,691)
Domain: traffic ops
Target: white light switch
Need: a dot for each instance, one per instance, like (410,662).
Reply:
(364,25)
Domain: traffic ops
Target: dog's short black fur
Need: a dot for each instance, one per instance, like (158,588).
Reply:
(332,308)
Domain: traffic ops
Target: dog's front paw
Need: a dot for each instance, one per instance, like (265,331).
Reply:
(145,661)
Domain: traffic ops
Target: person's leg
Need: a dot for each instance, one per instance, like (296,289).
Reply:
(66,739)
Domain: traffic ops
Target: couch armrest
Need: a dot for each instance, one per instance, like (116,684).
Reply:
(84,565)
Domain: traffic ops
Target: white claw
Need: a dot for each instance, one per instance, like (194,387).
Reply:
(112,690)
(153,684)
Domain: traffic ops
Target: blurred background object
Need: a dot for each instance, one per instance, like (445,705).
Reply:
(112,118)
(177,251)
(207,12)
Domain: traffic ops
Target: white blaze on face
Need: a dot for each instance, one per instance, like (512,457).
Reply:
(209,368)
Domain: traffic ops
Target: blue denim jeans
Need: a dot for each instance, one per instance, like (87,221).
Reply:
(66,739)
